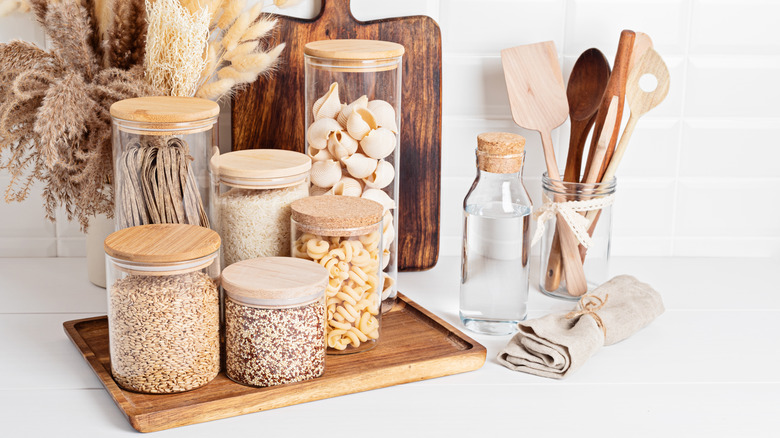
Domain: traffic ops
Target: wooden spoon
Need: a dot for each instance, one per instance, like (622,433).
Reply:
(640,102)
(615,87)
(585,91)
(538,100)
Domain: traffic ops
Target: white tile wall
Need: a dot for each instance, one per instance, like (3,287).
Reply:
(701,177)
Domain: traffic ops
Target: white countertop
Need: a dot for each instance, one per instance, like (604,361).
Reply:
(707,367)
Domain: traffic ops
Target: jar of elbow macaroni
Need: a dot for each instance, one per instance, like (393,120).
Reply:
(274,320)
(344,235)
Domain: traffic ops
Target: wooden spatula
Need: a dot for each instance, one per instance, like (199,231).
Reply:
(538,100)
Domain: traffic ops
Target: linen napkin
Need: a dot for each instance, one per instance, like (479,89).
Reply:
(558,344)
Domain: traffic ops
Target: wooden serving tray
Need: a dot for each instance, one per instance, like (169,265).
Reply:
(414,345)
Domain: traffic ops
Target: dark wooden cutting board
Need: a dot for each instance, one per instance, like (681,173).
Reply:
(270,113)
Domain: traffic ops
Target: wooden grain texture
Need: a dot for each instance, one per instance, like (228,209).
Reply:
(259,164)
(162,243)
(615,87)
(415,345)
(274,281)
(164,109)
(270,113)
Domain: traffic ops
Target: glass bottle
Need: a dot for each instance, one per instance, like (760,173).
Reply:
(496,240)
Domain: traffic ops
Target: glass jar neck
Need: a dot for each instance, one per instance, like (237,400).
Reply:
(500,164)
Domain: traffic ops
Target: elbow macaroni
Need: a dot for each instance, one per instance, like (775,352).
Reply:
(354,286)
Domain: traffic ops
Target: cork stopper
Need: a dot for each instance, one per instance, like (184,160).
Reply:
(274,281)
(337,215)
(500,152)
(162,243)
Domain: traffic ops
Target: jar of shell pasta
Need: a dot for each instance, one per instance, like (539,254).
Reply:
(251,195)
(353,102)
(163,307)
(344,235)
(274,320)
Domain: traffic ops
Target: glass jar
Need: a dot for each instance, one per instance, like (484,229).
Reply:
(251,195)
(344,234)
(353,117)
(595,259)
(274,320)
(496,219)
(163,307)
(161,149)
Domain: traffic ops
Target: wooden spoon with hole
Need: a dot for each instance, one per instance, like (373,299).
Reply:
(538,101)
(640,102)
(587,83)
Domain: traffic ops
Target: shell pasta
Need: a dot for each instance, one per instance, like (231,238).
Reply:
(353,302)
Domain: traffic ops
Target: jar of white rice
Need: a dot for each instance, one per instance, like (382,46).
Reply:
(251,195)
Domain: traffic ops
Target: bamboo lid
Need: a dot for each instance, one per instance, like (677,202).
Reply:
(331,214)
(274,281)
(353,49)
(500,152)
(164,109)
(162,243)
(261,164)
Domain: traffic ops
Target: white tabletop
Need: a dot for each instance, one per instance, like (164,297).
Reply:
(707,367)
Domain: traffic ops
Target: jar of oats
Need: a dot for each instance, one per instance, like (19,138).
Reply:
(344,235)
(251,195)
(163,307)
(274,320)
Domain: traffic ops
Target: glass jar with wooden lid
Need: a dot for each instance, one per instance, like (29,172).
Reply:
(251,195)
(161,149)
(163,307)
(344,235)
(274,320)
(353,117)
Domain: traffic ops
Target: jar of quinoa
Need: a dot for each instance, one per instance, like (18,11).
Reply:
(274,320)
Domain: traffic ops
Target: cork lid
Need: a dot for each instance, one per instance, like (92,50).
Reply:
(266,168)
(337,215)
(353,49)
(274,281)
(500,152)
(162,243)
(164,109)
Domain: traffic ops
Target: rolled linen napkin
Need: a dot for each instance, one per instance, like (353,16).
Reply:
(558,344)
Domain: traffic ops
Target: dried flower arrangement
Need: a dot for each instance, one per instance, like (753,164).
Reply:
(55,125)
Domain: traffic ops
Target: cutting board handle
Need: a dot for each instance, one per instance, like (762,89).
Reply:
(335,9)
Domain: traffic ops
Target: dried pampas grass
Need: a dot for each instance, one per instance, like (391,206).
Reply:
(55,125)
(175,44)
(235,55)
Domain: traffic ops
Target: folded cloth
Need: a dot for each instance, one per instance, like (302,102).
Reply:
(558,344)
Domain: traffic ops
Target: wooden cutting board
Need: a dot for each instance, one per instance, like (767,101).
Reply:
(414,345)
(270,113)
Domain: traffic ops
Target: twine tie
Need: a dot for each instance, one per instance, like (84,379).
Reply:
(569,211)
(589,305)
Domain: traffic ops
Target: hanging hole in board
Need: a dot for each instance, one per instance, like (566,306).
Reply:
(648,83)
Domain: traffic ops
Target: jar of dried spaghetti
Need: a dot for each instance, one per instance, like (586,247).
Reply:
(344,235)
(163,307)
(251,192)
(274,320)
(161,150)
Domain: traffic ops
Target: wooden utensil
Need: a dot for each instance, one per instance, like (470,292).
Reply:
(639,102)
(587,83)
(538,101)
(585,91)
(615,87)
(270,113)
(642,42)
